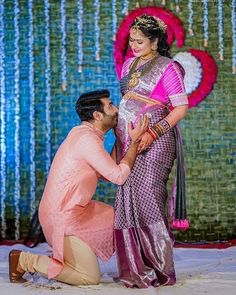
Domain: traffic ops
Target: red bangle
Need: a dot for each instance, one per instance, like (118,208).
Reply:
(153,135)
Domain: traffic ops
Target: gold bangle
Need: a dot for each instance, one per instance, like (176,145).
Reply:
(158,129)
(161,127)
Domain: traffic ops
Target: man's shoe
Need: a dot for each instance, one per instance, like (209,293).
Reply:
(15,271)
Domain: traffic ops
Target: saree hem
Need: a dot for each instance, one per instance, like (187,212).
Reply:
(145,256)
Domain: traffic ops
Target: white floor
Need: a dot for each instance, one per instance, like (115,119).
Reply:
(199,271)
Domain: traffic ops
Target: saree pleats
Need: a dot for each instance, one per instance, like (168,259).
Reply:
(143,241)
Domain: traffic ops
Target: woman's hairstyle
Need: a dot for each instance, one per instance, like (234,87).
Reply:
(90,102)
(153,28)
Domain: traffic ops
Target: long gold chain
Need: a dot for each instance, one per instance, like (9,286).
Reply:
(135,74)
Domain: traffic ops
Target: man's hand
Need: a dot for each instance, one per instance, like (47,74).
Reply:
(140,128)
(145,141)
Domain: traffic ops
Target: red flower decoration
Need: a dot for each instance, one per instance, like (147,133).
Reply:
(209,74)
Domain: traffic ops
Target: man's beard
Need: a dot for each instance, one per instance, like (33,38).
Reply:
(116,121)
(113,119)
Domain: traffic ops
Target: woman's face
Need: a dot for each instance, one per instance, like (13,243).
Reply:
(139,43)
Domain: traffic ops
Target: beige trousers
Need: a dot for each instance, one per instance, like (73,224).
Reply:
(80,268)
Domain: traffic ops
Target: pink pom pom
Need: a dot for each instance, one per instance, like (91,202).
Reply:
(178,224)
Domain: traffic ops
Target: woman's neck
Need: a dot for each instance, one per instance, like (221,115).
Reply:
(149,56)
(144,59)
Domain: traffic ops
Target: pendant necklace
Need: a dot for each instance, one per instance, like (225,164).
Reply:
(135,74)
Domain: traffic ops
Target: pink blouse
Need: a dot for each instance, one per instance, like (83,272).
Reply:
(169,88)
(66,207)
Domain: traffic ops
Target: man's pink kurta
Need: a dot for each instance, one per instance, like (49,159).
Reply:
(66,207)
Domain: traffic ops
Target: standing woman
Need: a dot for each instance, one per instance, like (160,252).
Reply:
(151,82)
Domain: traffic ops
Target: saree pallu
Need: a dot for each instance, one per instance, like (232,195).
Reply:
(144,244)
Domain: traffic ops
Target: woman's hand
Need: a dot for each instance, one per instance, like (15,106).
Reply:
(140,128)
(128,95)
(145,141)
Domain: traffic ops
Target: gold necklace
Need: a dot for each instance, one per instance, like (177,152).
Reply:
(134,80)
(135,74)
(149,56)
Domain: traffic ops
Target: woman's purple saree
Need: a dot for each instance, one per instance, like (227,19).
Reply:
(144,242)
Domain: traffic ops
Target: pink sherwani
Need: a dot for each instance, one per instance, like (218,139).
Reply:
(66,207)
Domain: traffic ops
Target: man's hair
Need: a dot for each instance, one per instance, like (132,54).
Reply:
(90,102)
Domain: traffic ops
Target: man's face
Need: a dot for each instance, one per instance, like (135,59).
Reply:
(110,114)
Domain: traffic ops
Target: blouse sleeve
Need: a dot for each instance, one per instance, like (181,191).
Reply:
(94,153)
(174,86)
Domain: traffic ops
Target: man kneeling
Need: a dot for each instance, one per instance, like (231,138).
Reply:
(77,228)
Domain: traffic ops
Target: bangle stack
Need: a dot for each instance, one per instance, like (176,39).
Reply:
(158,130)
(152,133)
